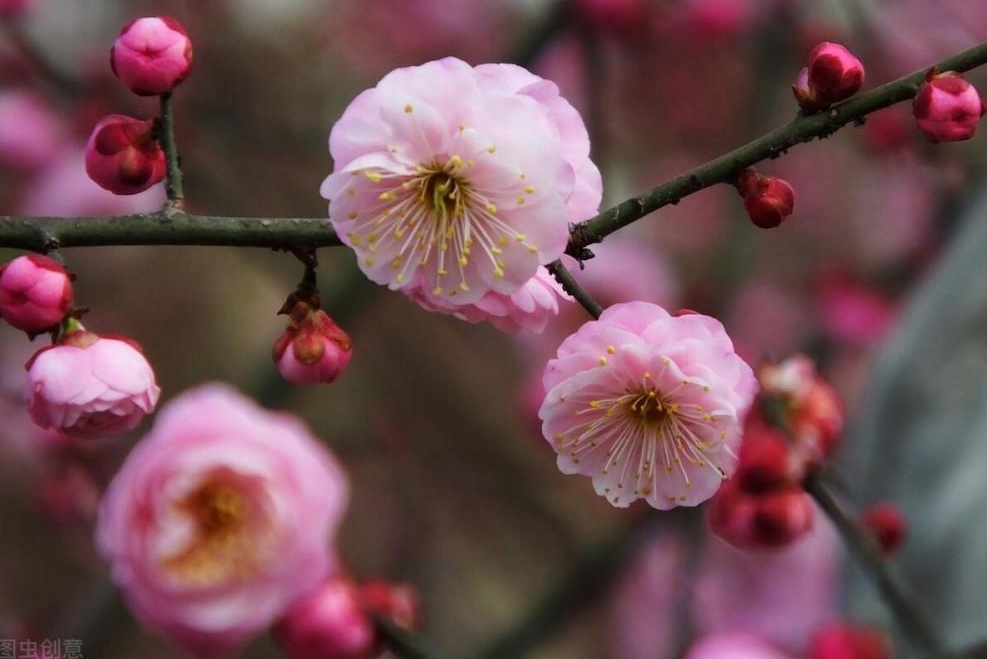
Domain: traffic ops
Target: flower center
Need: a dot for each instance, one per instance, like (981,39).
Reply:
(225,543)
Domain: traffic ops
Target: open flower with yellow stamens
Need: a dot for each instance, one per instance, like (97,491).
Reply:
(648,404)
(452,181)
(220,519)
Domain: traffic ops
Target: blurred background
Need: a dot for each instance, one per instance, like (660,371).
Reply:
(454,490)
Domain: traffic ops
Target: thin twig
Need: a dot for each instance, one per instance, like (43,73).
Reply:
(572,287)
(907,612)
(173,166)
(403,643)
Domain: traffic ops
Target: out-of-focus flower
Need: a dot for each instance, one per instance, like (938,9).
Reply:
(90,386)
(648,404)
(617,16)
(14,8)
(833,74)
(30,131)
(721,17)
(781,596)
(313,348)
(732,645)
(809,407)
(152,55)
(528,308)
(63,188)
(849,641)
(947,108)
(219,519)
(35,293)
(123,156)
(452,181)
(852,313)
(767,199)
(396,602)
(887,524)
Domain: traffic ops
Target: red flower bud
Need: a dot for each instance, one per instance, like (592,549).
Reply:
(35,293)
(833,74)
(845,641)
(888,526)
(768,200)
(312,348)
(947,107)
(152,55)
(328,623)
(123,156)
(764,520)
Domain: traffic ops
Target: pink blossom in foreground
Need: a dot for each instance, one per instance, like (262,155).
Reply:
(220,519)
(735,645)
(648,404)
(152,55)
(452,181)
(947,108)
(90,386)
(123,156)
(35,293)
(528,308)
(834,74)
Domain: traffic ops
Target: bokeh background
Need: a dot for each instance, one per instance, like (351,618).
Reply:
(453,488)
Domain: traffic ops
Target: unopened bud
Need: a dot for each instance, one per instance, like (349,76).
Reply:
(887,524)
(328,623)
(833,74)
(947,107)
(846,641)
(152,55)
(766,520)
(313,348)
(35,293)
(768,200)
(123,155)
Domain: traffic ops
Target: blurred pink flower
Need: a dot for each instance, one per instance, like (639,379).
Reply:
(220,519)
(734,645)
(35,293)
(452,181)
(31,134)
(851,313)
(14,8)
(90,386)
(648,404)
(528,308)
(780,596)
(63,188)
(328,623)
(152,55)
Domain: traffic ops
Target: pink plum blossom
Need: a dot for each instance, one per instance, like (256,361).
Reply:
(152,55)
(35,293)
(90,386)
(648,404)
(452,181)
(735,645)
(528,308)
(220,519)
(947,108)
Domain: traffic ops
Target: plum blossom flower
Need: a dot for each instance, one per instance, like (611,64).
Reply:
(453,181)
(90,386)
(219,519)
(648,404)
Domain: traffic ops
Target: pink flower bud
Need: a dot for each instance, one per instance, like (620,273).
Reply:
(328,623)
(765,460)
(35,293)
(888,526)
(845,641)
(90,386)
(947,107)
(833,74)
(313,348)
(768,200)
(766,520)
(152,55)
(123,155)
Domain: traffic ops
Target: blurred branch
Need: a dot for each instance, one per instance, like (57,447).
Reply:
(863,546)
(726,168)
(403,643)
(572,287)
